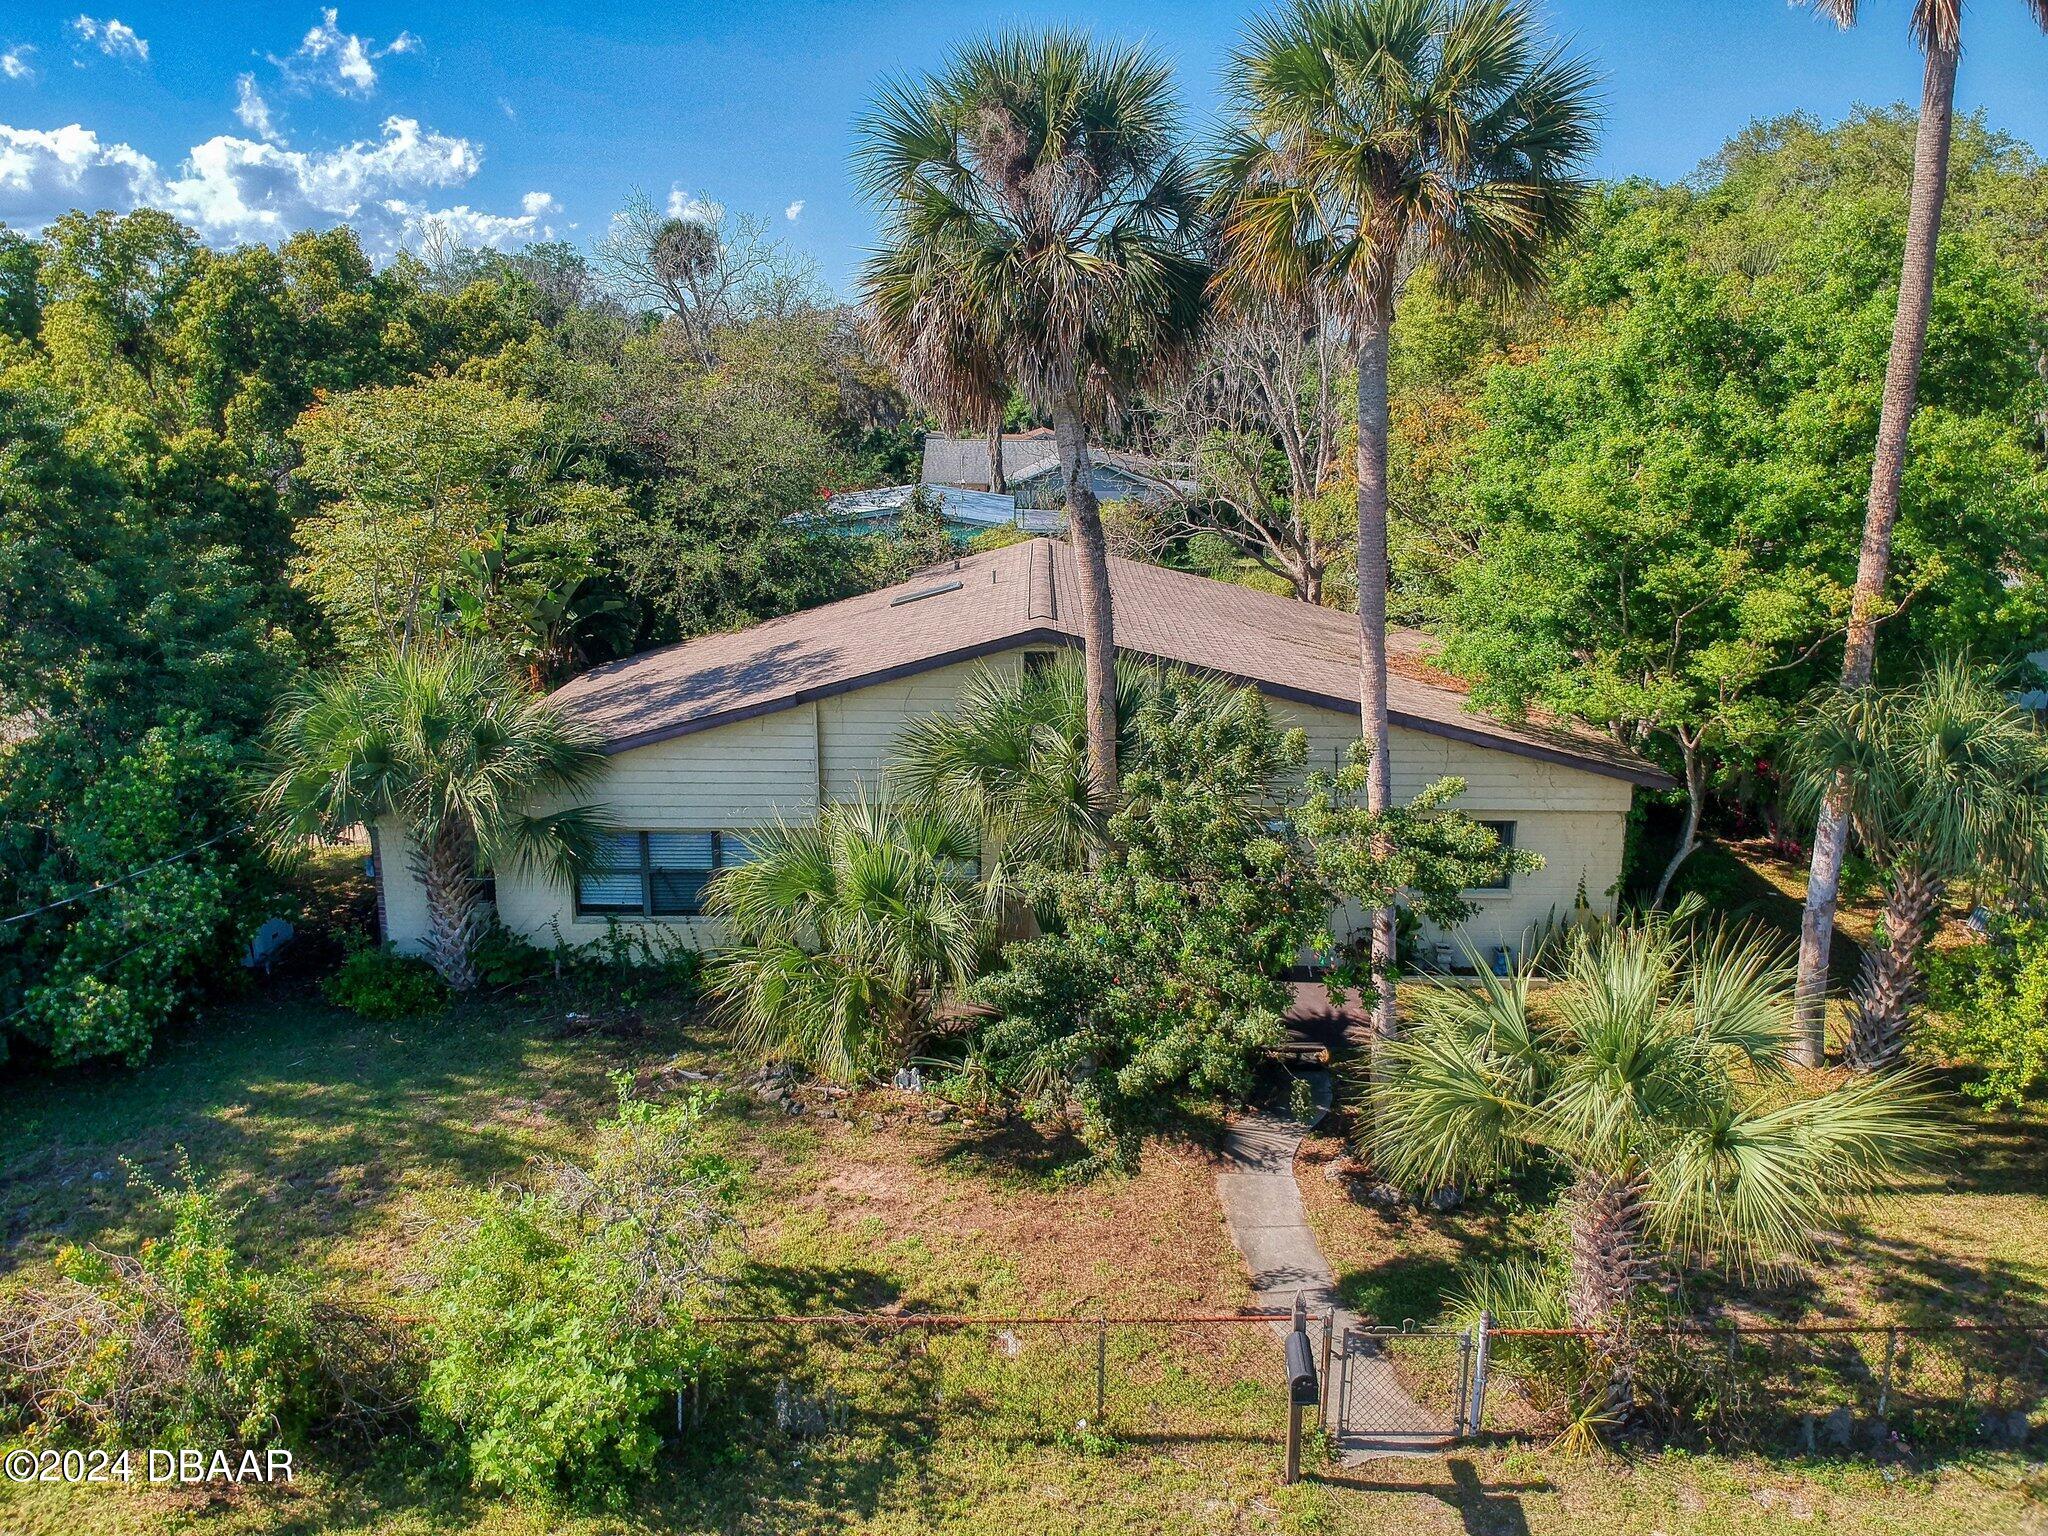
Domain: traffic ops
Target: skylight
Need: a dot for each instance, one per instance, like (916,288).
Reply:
(911,597)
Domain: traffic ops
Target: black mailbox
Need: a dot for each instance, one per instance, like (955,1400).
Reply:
(1301,1372)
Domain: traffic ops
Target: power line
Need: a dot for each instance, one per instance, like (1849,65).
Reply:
(108,885)
(92,975)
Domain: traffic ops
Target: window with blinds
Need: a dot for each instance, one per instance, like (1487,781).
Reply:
(657,874)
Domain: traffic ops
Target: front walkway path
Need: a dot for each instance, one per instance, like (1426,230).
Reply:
(1262,1207)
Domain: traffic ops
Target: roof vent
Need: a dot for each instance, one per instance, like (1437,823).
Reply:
(911,597)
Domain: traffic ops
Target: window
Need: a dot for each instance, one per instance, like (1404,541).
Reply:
(1038,663)
(1505,831)
(657,874)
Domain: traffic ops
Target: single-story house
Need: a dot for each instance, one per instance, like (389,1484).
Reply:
(965,513)
(1031,470)
(719,735)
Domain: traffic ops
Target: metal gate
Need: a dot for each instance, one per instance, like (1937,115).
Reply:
(1405,1390)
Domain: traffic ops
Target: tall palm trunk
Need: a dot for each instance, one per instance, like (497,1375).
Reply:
(447,871)
(1372,621)
(996,481)
(1888,987)
(1873,566)
(1098,634)
(1611,1260)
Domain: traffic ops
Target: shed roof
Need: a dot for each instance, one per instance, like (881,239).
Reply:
(1028,593)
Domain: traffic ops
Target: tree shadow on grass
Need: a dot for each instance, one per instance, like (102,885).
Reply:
(1483,1510)
(322,1120)
(1015,1153)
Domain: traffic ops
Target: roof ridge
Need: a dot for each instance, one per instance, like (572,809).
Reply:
(1041,600)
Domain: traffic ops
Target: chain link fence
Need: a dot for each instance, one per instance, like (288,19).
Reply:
(1820,1388)
(1162,1379)
(1127,1379)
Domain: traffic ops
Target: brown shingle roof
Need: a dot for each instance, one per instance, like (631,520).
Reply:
(1027,592)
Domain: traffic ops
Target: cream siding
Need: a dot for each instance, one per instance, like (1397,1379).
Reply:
(402,896)
(747,773)
(734,777)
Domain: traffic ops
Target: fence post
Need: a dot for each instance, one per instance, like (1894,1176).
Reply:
(1101,1367)
(1476,1417)
(1323,1382)
(1884,1385)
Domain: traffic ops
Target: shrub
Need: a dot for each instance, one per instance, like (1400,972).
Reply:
(635,964)
(503,959)
(1992,1009)
(379,983)
(151,820)
(1164,975)
(562,1314)
(183,1344)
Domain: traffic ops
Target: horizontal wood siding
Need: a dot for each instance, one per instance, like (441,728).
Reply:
(860,729)
(742,775)
(1576,820)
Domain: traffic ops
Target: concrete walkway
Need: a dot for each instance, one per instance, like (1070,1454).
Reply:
(1373,1413)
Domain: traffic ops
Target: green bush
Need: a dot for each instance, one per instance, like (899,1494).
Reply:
(182,1345)
(380,983)
(1162,976)
(562,1318)
(503,959)
(1991,1003)
(152,821)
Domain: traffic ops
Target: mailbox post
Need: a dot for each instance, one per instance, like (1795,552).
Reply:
(1302,1391)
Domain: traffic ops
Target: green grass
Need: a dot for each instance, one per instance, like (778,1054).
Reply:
(344,1138)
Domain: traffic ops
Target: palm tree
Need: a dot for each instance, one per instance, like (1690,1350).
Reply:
(1655,1080)
(454,748)
(849,933)
(1039,211)
(1937,26)
(1369,132)
(1944,777)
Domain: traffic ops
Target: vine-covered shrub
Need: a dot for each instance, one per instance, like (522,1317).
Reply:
(152,826)
(181,1344)
(379,983)
(1991,1004)
(561,1321)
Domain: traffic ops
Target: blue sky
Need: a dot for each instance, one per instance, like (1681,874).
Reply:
(515,121)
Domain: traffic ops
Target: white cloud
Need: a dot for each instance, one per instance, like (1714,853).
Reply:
(241,189)
(685,205)
(14,63)
(46,173)
(339,61)
(252,109)
(113,37)
(794,211)
(237,188)
(464,226)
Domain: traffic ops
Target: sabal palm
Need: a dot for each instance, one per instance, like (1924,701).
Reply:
(848,933)
(1366,133)
(1653,1074)
(1011,755)
(459,751)
(1942,777)
(1937,26)
(1038,214)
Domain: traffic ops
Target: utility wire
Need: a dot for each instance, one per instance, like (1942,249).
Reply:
(51,906)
